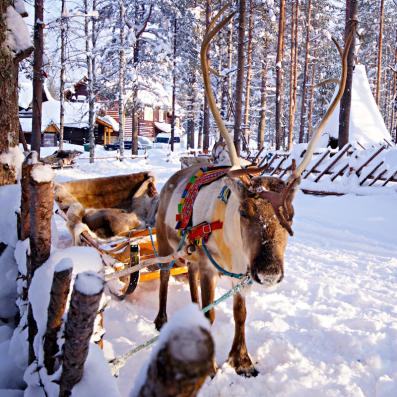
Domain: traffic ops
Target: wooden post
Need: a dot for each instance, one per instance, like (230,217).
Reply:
(84,304)
(59,294)
(181,365)
(41,200)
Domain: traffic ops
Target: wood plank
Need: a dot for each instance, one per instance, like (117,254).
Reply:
(336,159)
(369,160)
(317,164)
(379,176)
(371,172)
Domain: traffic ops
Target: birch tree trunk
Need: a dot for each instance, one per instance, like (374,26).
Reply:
(380,47)
(88,50)
(293,73)
(121,78)
(393,127)
(240,75)
(280,76)
(249,73)
(37,75)
(206,121)
(305,72)
(62,76)
(311,98)
(173,87)
(262,112)
(345,103)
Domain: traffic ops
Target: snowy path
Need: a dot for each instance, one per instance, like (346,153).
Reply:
(329,329)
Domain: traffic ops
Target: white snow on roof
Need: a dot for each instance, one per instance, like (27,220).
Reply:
(18,37)
(366,123)
(110,120)
(76,115)
(165,127)
(25,94)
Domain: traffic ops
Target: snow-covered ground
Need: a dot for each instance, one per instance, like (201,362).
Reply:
(329,329)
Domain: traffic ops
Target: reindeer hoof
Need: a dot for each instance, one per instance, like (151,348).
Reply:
(160,320)
(213,370)
(243,366)
(247,372)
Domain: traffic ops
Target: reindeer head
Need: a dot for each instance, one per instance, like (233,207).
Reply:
(266,210)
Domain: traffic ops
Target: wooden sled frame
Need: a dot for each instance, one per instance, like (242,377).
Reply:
(134,247)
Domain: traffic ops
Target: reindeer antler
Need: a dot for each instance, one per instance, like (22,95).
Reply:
(279,200)
(210,34)
(316,136)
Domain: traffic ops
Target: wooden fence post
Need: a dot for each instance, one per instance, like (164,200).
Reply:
(58,297)
(41,201)
(181,365)
(84,303)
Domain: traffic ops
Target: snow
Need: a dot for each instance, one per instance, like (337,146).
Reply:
(330,327)
(14,158)
(19,6)
(110,120)
(366,123)
(25,94)
(89,283)
(18,37)
(189,317)
(10,199)
(97,379)
(42,173)
(76,113)
(166,128)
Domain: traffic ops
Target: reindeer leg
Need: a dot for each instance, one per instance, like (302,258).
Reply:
(161,317)
(238,356)
(193,282)
(207,284)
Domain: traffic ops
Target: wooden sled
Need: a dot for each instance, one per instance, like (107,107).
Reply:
(127,248)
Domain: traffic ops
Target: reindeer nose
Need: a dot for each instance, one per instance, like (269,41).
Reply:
(267,279)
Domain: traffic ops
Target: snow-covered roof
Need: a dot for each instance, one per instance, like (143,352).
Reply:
(366,123)
(25,94)
(165,127)
(110,120)
(76,115)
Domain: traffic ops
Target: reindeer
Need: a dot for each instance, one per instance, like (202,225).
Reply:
(257,219)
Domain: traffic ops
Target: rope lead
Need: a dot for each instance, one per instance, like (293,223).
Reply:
(118,362)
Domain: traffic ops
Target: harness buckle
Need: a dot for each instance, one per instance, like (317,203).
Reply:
(207,228)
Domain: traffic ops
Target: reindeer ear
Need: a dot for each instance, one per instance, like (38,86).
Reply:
(293,188)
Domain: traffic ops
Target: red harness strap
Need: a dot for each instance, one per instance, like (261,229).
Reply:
(203,231)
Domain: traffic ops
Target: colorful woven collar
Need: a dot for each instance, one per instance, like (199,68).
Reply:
(204,176)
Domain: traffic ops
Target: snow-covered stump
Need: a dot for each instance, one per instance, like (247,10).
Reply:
(41,201)
(58,298)
(86,295)
(182,359)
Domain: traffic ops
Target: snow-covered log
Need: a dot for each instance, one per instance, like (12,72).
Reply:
(41,201)
(58,298)
(84,304)
(182,358)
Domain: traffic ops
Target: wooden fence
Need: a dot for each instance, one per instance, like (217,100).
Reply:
(337,172)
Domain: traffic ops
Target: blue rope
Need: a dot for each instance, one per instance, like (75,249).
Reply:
(119,362)
(219,267)
(180,245)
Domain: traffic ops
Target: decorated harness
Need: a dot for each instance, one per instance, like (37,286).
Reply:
(201,232)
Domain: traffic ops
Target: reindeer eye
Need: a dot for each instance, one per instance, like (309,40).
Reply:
(243,213)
